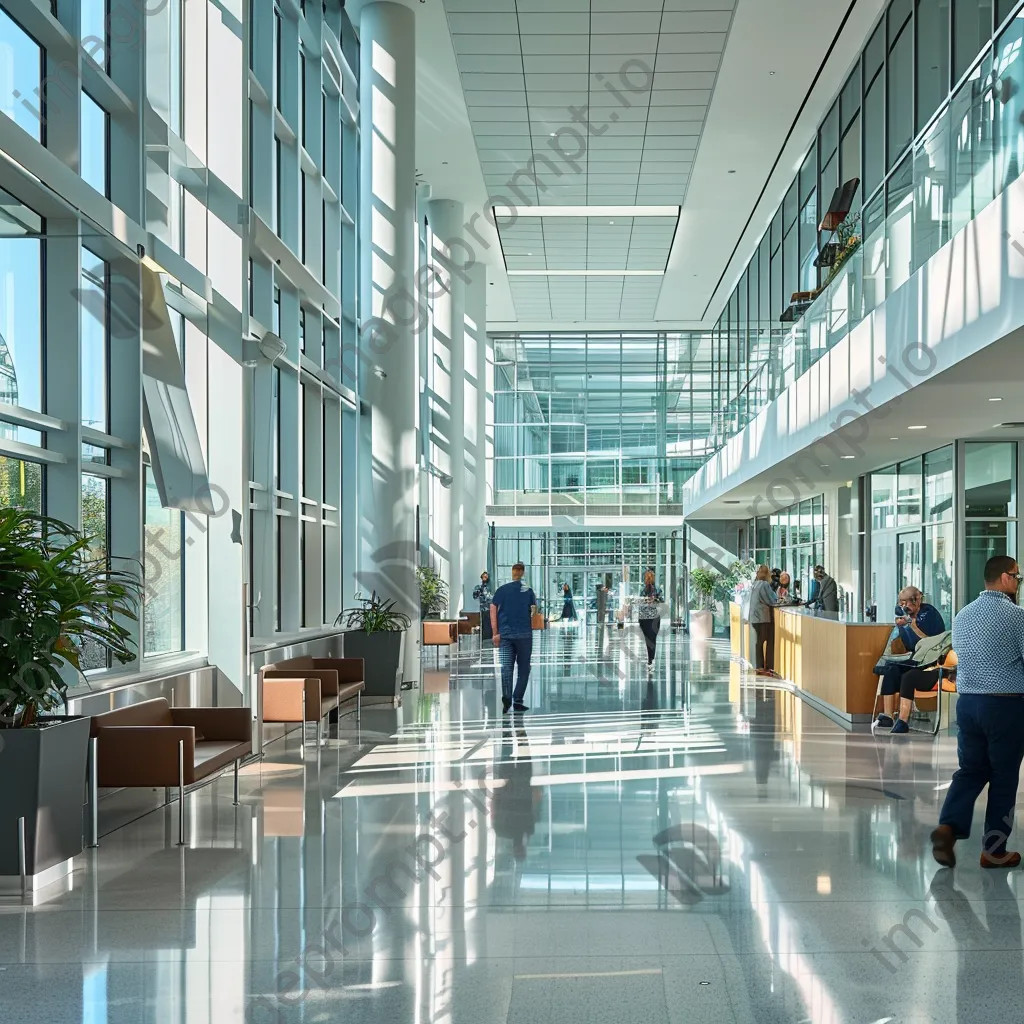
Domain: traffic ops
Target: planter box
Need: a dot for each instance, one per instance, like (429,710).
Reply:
(49,764)
(382,655)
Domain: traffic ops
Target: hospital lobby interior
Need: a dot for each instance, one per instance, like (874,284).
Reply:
(405,406)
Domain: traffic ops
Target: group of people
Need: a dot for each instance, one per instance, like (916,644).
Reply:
(772,588)
(506,619)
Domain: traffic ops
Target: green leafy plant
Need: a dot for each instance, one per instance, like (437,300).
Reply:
(374,615)
(55,596)
(703,583)
(739,574)
(433,591)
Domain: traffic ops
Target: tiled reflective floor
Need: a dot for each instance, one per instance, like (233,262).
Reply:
(690,849)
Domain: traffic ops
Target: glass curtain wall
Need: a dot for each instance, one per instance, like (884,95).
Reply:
(599,424)
(584,559)
(931,120)
(793,540)
(72,442)
(990,508)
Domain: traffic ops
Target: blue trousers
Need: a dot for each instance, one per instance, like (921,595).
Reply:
(515,650)
(990,747)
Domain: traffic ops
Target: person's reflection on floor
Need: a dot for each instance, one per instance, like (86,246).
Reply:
(516,800)
(988,963)
(762,738)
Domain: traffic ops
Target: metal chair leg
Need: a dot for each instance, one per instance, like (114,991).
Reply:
(236,781)
(94,792)
(181,792)
(359,706)
(319,724)
(302,741)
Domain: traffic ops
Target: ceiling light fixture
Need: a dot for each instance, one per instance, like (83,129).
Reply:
(586,273)
(995,399)
(893,438)
(847,456)
(587,211)
(917,426)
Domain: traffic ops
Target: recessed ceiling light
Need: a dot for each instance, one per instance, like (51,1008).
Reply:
(771,72)
(995,399)
(586,273)
(847,456)
(917,426)
(893,438)
(588,211)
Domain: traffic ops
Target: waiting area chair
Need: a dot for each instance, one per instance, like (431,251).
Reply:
(946,684)
(303,690)
(438,633)
(151,744)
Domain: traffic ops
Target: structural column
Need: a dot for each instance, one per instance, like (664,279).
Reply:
(447,286)
(390,315)
(474,515)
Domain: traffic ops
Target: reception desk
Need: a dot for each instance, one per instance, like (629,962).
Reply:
(826,657)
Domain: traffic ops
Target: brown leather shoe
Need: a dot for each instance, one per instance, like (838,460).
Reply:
(1003,860)
(942,846)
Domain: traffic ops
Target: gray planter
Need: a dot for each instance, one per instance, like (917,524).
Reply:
(382,655)
(45,768)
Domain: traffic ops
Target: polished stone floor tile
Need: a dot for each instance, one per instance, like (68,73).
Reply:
(681,847)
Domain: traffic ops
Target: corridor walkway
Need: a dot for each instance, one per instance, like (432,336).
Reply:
(691,849)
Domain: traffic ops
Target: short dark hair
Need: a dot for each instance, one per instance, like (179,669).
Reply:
(519,565)
(997,565)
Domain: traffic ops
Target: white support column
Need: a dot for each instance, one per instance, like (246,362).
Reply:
(388,341)
(475,506)
(447,284)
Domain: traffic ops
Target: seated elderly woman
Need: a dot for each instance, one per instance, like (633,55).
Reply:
(915,619)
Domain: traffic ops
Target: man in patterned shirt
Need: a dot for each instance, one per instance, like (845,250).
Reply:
(988,637)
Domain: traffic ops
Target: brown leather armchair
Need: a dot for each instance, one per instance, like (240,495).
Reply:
(151,744)
(308,689)
(440,633)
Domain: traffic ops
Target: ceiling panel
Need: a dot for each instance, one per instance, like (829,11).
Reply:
(552,92)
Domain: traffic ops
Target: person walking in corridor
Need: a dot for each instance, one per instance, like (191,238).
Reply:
(512,611)
(648,613)
(482,592)
(988,637)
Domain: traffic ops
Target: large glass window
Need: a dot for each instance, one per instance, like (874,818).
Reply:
(95,31)
(931,191)
(164,575)
(21,325)
(982,541)
(21,59)
(95,324)
(95,501)
(95,145)
(900,91)
(937,570)
(990,479)
(972,29)
(932,57)
(938,484)
(1009,68)
(908,502)
(883,498)
(21,482)
(874,134)
(899,201)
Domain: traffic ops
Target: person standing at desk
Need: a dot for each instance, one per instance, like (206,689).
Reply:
(826,594)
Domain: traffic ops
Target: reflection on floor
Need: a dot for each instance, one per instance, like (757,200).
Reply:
(681,847)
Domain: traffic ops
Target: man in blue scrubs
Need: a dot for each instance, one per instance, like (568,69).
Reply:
(512,609)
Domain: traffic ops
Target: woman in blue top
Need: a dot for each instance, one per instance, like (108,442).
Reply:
(649,615)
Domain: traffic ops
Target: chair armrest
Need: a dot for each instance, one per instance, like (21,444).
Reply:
(350,670)
(328,677)
(217,723)
(144,755)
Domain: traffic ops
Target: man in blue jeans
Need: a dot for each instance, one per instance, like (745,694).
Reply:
(988,638)
(512,609)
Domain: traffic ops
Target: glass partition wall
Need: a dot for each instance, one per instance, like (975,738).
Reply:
(936,519)
(793,540)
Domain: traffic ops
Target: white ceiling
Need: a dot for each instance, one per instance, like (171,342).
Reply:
(744,114)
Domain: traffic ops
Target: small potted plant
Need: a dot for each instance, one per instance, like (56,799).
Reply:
(702,590)
(55,597)
(433,592)
(377,635)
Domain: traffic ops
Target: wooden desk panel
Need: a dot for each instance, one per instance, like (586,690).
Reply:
(830,660)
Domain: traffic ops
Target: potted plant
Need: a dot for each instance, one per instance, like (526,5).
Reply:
(433,592)
(377,635)
(55,596)
(702,590)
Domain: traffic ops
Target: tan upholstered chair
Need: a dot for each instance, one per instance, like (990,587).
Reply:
(152,744)
(438,633)
(302,690)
